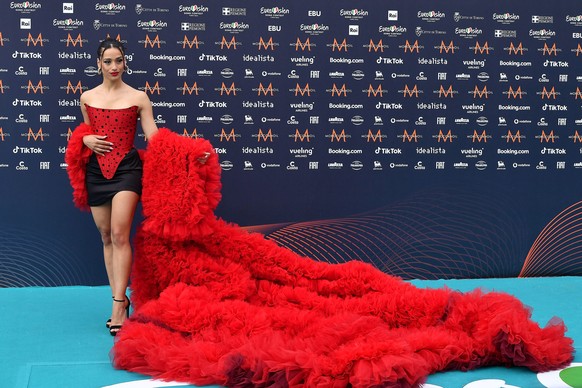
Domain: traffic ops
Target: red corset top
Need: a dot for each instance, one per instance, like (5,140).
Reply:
(119,126)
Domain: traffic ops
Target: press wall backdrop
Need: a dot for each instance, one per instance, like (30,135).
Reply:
(432,139)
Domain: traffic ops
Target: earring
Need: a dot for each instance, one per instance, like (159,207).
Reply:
(99,70)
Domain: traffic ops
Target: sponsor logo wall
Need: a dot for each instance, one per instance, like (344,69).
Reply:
(459,124)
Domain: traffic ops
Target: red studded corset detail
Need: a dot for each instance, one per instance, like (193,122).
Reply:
(119,125)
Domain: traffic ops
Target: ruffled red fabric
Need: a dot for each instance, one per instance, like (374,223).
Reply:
(215,304)
(76,156)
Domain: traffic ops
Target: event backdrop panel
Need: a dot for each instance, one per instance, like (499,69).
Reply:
(432,140)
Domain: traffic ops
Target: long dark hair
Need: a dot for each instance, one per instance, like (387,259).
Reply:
(111,43)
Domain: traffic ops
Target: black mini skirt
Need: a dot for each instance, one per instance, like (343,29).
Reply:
(127,178)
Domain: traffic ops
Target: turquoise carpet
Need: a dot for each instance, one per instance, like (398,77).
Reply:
(56,337)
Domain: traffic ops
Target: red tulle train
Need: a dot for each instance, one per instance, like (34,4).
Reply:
(217,305)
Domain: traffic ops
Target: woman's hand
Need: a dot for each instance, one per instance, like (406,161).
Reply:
(204,158)
(98,144)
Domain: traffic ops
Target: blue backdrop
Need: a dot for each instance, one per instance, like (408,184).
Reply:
(433,140)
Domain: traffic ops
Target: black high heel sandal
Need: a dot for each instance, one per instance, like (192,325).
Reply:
(114,329)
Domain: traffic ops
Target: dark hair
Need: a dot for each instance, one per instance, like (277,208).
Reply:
(110,43)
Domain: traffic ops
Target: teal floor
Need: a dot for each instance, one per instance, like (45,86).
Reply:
(56,337)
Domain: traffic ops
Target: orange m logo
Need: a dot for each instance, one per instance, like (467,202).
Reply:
(578,49)
(409,137)
(1,86)
(339,47)
(547,138)
(74,42)
(415,46)
(478,138)
(268,91)
(373,137)
(190,43)
(33,88)
(577,96)
(188,89)
(302,91)
(480,93)
(445,93)
(550,51)
(227,44)
(577,137)
(444,138)
(341,136)
(266,45)
(302,45)
(194,133)
(224,89)
(514,50)
(484,49)
(224,135)
(34,136)
(150,89)
(376,91)
(549,94)
(34,41)
(1,134)
(379,46)
(156,41)
(339,92)
(445,48)
(264,136)
(1,39)
(74,89)
(410,92)
(511,137)
(301,137)
(514,94)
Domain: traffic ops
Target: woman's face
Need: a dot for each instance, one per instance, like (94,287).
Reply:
(112,63)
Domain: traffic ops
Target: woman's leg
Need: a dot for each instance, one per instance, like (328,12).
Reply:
(123,208)
(102,217)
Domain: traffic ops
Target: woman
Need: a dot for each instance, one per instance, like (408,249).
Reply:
(114,169)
